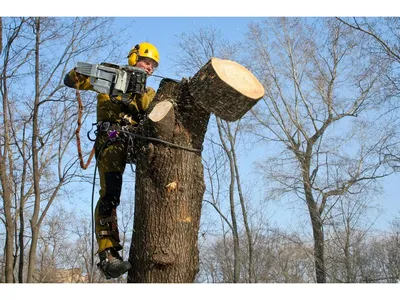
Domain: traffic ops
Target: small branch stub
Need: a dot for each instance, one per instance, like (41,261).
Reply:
(171,186)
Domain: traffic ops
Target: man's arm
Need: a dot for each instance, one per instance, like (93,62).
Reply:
(143,102)
(76,80)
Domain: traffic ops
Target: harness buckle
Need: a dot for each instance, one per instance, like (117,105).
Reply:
(108,220)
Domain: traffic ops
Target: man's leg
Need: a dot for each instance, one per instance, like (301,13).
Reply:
(111,165)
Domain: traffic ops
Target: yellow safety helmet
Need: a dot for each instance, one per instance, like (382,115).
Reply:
(143,50)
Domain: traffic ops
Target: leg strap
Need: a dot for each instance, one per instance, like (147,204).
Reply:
(108,226)
(105,233)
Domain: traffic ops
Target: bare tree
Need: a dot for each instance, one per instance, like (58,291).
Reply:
(381,36)
(199,47)
(393,252)
(347,231)
(383,31)
(54,246)
(1,34)
(383,262)
(6,153)
(64,172)
(317,80)
(37,117)
(278,257)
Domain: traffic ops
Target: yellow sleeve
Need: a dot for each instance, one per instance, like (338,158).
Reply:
(76,80)
(143,102)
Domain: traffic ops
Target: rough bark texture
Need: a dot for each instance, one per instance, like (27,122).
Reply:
(169,180)
(225,88)
(317,227)
(169,193)
(1,34)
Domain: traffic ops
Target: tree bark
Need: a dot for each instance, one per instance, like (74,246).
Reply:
(169,180)
(35,160)
(318,234)
(6,179)
(169,193)
(1,34)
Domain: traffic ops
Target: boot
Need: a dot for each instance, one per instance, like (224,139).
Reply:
(112,264)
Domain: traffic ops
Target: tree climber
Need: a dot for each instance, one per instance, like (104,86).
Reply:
(112,114)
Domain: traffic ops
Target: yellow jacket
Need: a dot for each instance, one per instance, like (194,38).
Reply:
(108,110)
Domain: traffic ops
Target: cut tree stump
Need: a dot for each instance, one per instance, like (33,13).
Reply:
(169,173)
(225,88)
(169,189)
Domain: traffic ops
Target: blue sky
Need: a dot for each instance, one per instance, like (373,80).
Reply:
(162,32)
(200,8)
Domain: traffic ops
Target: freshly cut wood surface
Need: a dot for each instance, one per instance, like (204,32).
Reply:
(225,88)
(160,110)
(238,77)
(163,120)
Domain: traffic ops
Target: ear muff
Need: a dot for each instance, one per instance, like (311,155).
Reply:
(133,55)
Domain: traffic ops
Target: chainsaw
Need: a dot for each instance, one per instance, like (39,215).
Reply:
(114,80)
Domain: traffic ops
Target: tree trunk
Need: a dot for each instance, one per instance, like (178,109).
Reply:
(169,180)
(21,241)
(6,179)
(1,34)
(242,205)
(169,194)
(234,227)
(319,249)
(319,240)
(35,162)
(7,204)
(315,215)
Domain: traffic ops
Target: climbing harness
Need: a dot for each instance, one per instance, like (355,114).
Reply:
(113,227)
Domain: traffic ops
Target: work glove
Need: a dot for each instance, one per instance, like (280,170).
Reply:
(137,82)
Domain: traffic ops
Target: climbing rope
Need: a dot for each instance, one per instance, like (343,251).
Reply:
(160,141)
(77,133)
(92,211)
